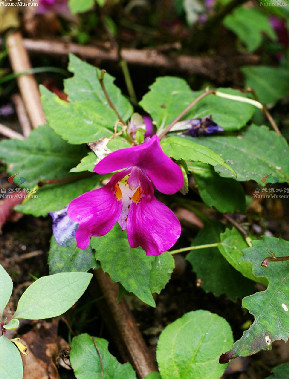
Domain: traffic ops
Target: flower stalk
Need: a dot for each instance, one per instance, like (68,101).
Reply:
(101,81)
(185,111)
(198,247)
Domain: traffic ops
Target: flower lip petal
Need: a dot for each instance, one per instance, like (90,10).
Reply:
(96,211)
(163,172)
(153,226)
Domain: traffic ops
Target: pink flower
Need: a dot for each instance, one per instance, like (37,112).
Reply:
(129,199)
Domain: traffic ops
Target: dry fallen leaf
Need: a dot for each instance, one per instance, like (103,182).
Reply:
(7,205)
(43,350)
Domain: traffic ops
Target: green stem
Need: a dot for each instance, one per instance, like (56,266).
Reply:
(266,112)
(128,81)
(256,103)
(190,248)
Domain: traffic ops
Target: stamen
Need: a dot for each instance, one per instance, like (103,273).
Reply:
(118,192)
(137,195)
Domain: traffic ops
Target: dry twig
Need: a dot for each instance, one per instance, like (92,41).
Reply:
(7,132)
(27,85)
(218,67)
(123,327)
(22,115)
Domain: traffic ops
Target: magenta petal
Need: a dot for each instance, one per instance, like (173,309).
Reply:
(96,212)
(163,172)
(153,226)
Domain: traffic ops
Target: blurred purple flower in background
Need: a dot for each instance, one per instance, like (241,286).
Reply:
(281,30)
(129,199)
(56,6)
(6,110)
(210,3)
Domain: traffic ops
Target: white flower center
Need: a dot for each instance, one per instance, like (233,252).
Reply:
(126,194)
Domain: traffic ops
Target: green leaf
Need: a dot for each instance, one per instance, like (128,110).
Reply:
(80,6)
(217,275)
(161,271)
(253,154)
(280,372)
(130,267)
(167,98)
(229,114)
(77,122)
(53,197)
(139,274)
(11,366)
(122,292)
(90,363)
(88,162)
(101,3)
(6,287)
(43,155)
(249,24)
(69,259)
(226,195)
(118,143)
(270,307)
(153,375)
(50,296)
(84,85)
(12,324)
(186,149)
(189,348)
(231,247)
(270,83)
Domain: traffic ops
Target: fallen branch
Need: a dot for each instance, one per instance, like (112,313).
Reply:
(27,84)
(9,133)
(218,67)
(122,325)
